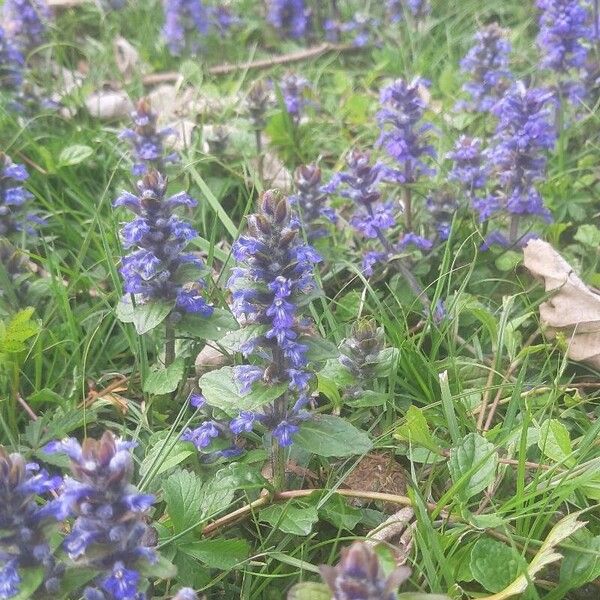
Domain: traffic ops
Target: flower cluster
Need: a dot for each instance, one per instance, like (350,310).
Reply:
(13,199)
(155,267)
(471,172)
(419,8)
(310,201)
(147,141)
(362,28)
(487,65)
(258,102)
(186,20)
(24,523)
(293,90)
(523,134)
(441,205)
(403,136)
(11,63)
(564,29)
(394,10)
(358,575)
(110,533)
(25,21)
(274,272)
(563,40)
(289,17)
(360,354)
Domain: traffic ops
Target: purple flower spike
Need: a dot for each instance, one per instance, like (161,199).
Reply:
(487,65)
(26,22)
(24,522)
(293,89)
(158,239)
(290,17)
(110,532)
(403,135)
(358,575)
(147,141)
(14,218)
(274,272)
(11,63)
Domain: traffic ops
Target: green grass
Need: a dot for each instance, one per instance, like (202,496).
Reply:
(491,346)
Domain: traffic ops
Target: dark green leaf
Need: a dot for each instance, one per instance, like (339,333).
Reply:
(309,591)
(339,513)
(320,349)
(473,462)
(73,155)
(495,565)
(294,518)
(328,435)
(183,496)
(163,569)
(221,391)
(145,317)
(164,458)
(31,579)
(212,328)
(218,554)
(165,380)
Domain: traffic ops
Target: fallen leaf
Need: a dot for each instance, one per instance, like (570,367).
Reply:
(573,309)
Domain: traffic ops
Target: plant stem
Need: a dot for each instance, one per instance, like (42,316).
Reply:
(259,155)
(278,460)
(169,342)
(514,228)
(408,208)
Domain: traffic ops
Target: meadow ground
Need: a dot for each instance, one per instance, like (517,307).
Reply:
(426,392)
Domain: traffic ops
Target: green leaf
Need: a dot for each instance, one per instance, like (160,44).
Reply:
(145,317)
(356,109)
(320,349)
(554,441)
(416,430)
(31,579)
(165,380)
(309,591)
(19,329)
(218,554)
(473,463)
(162,569)
(387,362)
(339,513)
(494,565)
(294,517)
(167,457)
(221,391)
(241,476)
(183,496)
(509,260)
(73,155)
(211,328)
(234,340)
(579,568)
(328,435)
(588,235)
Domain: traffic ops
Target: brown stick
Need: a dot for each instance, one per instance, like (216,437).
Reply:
(26,408)
(265,63)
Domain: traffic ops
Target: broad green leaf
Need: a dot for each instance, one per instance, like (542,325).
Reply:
(241,476)
(165,457)
(234,340)
(221,391)
(218,554)
(328,435)
(183,496)
(387,362)
(309,591)
(145,317)
(211,328)
(416,430)
(339,513)
(588,235)
(73,155)
(31,579)
(546,555)
(473,463)
(509,260)
(320,349)
(165,380)
(162,569)
(580,567)
(19,329)
(554,441)
(494,565)
(294,517)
